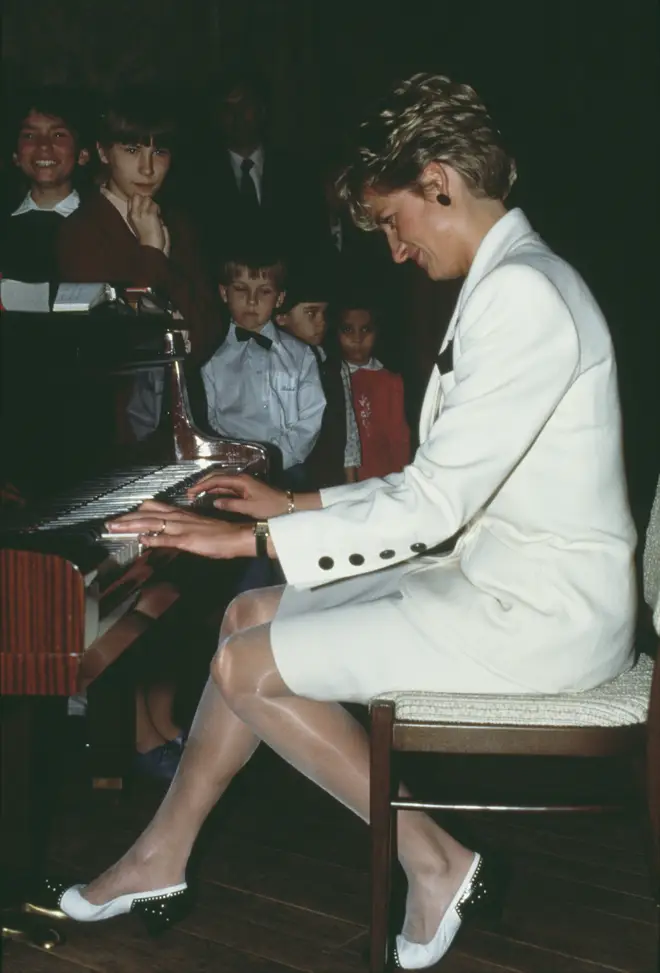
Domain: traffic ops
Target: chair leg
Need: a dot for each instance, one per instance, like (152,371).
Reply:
(382,717)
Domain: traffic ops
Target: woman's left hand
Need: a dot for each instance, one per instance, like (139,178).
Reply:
(160,525)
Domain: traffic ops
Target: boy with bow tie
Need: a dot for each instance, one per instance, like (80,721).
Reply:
(263,383)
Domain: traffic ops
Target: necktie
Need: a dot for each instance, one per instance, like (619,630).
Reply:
(248,190)
(242,334)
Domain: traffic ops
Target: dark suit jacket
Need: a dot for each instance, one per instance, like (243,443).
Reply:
(290,213)
(325,464)
(95,244)
(28,246)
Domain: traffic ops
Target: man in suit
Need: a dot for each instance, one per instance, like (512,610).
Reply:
(257,188)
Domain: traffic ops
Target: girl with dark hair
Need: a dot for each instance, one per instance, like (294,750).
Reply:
(121,234)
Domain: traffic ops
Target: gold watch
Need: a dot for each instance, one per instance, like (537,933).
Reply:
(262,533)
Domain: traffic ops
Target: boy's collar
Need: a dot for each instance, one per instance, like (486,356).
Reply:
(65,207)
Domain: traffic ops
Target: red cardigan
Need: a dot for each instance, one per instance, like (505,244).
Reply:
(384,433)
(95,244)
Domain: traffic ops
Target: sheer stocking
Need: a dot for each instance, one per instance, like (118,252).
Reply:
(248,701)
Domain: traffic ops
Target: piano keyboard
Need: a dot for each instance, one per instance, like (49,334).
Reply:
(105,497)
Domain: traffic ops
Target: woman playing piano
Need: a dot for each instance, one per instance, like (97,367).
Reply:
(121,234)
(520,453)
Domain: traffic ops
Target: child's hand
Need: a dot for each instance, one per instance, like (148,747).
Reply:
(144,218)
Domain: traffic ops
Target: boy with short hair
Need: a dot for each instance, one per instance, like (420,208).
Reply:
(49,146)
(336,456)
(262,383)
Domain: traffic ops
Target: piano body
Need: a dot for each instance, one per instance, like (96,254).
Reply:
(67,594)
(62,583)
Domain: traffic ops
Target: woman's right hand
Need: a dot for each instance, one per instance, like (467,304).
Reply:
(242,494)
(144,218)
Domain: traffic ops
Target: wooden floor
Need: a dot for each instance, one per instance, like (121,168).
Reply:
(283,885)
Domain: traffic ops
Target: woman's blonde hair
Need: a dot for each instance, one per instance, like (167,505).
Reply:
(426,118)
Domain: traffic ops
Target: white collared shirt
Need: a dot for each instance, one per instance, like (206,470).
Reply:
(373,365)
(65,207)
(256,172)
(269,395)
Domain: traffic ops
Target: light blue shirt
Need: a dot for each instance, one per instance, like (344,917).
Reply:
(272,395)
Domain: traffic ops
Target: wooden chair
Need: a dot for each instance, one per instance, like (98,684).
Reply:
(619,719)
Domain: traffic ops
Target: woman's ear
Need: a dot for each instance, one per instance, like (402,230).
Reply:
(102,153)
(280,298)
(434,180)
(222,290)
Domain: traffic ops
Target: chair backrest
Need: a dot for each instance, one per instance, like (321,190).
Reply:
(653,770)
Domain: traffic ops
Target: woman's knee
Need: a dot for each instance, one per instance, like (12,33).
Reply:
(251,608)
(230,669)
(244,667)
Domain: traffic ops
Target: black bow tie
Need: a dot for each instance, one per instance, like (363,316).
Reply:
(242,334)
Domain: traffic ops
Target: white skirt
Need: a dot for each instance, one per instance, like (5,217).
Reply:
(354,639)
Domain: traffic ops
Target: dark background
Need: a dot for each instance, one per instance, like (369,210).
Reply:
(573,83)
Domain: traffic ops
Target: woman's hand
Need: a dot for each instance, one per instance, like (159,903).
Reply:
(144,218)
(160,525)
(242,494)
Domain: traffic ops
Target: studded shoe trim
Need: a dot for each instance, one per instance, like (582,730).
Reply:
(48,900)
(474,895)
(158,898)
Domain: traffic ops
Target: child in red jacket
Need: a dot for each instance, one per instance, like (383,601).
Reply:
(377,396)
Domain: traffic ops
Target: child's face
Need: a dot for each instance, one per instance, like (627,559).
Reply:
(251,300)
(306,321)
(46,151)
(135,170)
(357,336)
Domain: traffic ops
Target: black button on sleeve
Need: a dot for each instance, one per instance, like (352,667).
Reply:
(418,547)
(356,559)
(386,555)
(325,563)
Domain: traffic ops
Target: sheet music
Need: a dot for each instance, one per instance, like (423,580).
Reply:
(19,296)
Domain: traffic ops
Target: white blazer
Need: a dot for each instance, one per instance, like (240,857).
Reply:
(521,446)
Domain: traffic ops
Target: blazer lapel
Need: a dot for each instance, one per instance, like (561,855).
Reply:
(512,231)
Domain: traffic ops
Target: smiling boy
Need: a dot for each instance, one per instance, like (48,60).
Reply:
(48,149)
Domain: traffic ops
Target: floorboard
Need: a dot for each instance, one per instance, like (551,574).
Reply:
(282,885)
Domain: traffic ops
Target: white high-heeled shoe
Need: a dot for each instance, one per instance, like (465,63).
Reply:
(158,909)
(478,892)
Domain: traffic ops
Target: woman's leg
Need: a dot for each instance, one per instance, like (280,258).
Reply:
(326,744)
(218,746)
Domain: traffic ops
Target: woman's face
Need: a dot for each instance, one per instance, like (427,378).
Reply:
(357,336)
(135,170)
(419,228)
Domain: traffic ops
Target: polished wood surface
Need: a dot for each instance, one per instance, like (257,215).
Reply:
(283,884)
(42,624)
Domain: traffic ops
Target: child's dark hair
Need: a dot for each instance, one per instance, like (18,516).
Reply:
(264,261)
(356,302)
(55,101)
(138,116)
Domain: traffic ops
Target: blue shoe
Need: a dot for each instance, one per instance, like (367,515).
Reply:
(162,761)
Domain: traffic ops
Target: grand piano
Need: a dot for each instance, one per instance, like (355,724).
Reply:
(68,592)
